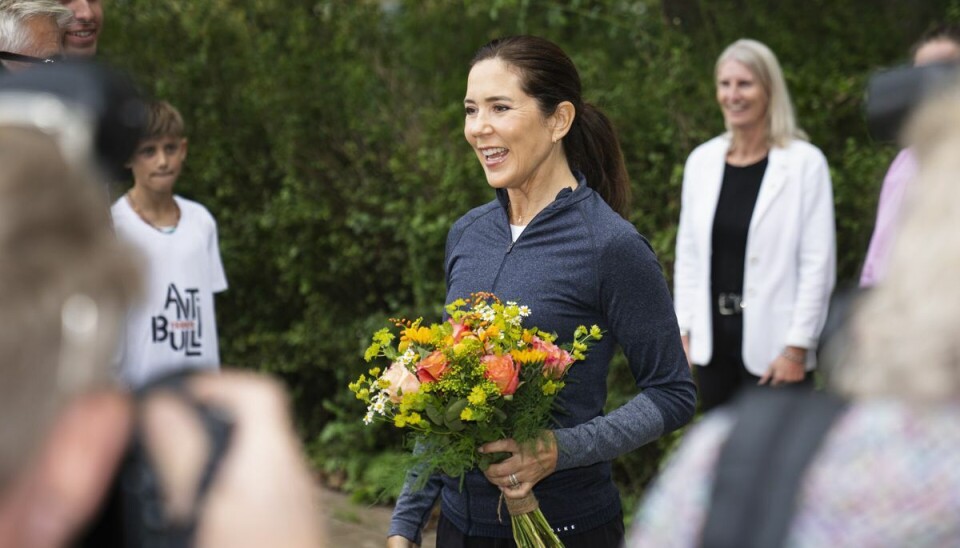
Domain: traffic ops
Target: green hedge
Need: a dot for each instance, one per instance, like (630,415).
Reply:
(326,137)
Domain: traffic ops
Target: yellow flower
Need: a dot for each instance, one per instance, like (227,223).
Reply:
(490,333)
(418,335)
(477,396)
(400,421)
(412,400)
(414,419)
(375,372)
(528,356)
(595,332)
(551,387)
(466,414)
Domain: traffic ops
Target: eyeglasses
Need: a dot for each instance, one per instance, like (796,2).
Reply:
(8,56)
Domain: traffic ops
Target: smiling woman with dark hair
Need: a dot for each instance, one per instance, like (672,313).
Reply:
(555,239)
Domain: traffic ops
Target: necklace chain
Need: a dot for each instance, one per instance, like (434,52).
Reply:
(518,215)
(136,209)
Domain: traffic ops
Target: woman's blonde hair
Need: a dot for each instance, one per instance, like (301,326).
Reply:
(905,335)
(65,282)
(763,64)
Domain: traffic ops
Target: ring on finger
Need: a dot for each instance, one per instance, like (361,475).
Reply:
(514,482)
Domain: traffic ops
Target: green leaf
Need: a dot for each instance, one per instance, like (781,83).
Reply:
(453,411)
(434,414)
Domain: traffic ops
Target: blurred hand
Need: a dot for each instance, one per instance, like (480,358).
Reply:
(263,493)
(784,370)
(529,465)
(685,339)
(397,541)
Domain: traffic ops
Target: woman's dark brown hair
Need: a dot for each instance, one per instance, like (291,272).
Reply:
(548,75)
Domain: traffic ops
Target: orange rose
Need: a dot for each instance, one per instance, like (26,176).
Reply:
(503,372)
(432,367)
(401,380)
(557,359)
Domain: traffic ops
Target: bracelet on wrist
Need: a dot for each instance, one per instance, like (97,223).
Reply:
(795,358)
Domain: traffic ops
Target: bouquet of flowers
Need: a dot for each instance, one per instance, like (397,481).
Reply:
(479,377)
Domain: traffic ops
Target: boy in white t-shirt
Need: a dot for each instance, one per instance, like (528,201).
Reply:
(174,325)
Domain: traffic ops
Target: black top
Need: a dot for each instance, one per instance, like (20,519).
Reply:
(731,223)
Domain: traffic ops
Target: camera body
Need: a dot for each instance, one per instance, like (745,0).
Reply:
(132,515)
(95,112)
(893,94)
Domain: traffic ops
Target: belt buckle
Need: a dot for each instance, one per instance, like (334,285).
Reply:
(729,304)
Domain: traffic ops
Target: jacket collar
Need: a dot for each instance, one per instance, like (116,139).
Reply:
(774,179)
(565,198)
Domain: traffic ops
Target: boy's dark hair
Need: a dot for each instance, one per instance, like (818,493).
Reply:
(943,31)
(163,120)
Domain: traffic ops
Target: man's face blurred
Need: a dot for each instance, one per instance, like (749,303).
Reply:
(81,36)
(44,41)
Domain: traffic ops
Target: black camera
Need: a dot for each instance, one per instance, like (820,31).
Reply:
(132,515)
(893,94)
(95,111)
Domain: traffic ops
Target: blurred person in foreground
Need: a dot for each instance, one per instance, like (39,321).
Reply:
(81,35)
(885,474)
(756,251)
(31,32)
(939,45)
(65,283)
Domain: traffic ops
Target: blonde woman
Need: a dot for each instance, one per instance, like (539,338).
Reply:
(755,257)
(886,472)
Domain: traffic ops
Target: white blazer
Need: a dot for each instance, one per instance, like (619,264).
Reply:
(790,265)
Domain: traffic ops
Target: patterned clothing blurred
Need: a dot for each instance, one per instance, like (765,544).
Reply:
(886,475)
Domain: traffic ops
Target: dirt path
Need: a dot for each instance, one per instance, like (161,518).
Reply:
(353,525)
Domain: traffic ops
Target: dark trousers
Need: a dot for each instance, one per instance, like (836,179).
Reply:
(605,536)
(720,380)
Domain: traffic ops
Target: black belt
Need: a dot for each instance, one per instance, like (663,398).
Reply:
(729,304)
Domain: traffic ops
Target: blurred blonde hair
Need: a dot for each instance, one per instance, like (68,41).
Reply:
(762,63)
(906,332)
(65,282)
